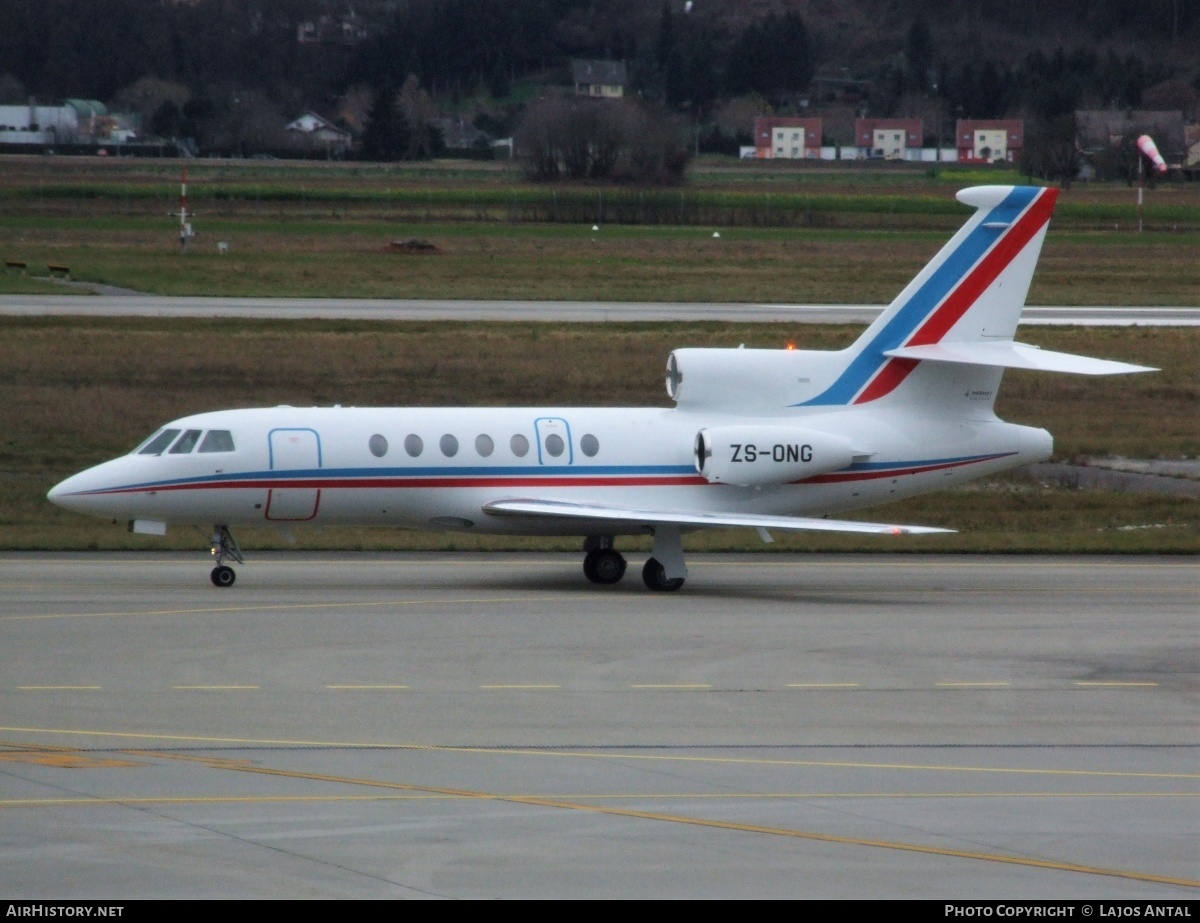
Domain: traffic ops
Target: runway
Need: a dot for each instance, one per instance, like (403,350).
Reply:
(493,726)
(549,311)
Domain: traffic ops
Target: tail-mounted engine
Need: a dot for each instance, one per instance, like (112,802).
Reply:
(757,456)
(737,379)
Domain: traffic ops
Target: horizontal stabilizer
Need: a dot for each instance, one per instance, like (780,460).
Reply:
(559,509)
(1009,355)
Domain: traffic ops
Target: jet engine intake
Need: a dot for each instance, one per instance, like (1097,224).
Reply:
(757,456)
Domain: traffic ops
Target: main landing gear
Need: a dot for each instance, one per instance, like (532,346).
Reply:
(663,573)
(655,576)
(602,564)
(224,546)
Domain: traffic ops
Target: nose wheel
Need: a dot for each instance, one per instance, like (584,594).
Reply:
(224,548)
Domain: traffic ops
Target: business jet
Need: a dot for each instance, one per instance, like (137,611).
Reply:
(757,438)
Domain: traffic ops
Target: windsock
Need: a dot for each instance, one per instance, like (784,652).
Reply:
(1147,146)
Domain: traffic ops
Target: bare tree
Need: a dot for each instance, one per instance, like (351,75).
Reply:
(589,139)
(1050,150)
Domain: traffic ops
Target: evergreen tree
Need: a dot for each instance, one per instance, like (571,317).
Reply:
(387,136)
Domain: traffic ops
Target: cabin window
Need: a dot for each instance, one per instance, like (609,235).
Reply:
(186,442)
(156,445)
(216,440)
(484,445)
(519,445)
(589,445)
(413,445)
(378,445)
(448,445)
(555,444)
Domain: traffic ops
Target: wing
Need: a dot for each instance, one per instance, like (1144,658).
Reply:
(591,512)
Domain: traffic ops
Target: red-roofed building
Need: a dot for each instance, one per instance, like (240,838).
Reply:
(889,139)
(990,140)
(779,137)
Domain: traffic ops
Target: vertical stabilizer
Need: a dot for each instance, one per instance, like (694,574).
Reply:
(973,291)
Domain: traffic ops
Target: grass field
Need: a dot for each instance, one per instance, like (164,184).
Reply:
(564,262)
(79,391)
(792,234)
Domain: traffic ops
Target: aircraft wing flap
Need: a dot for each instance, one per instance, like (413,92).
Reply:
(1011,355)
(562,509)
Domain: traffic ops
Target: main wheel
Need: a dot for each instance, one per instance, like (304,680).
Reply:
(604,566)
(223,576)
(655,576)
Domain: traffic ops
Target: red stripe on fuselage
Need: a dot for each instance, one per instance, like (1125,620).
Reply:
(839,477)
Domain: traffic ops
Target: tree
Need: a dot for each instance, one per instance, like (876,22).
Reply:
(585,139)
(387,136)
(918,55)
(12,91)
(150,96)
(1050,152)
(773,57)
(167,120)
(418,112)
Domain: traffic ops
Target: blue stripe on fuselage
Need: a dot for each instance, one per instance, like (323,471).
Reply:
(283,476)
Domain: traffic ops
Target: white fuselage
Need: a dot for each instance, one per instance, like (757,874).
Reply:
(292,466)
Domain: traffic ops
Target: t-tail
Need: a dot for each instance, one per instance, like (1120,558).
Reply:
(939,349)
(950,331)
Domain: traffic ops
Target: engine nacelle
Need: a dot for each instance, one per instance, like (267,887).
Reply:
(756,456)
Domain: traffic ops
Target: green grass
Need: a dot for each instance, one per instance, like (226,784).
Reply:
(813,233)
(318,255)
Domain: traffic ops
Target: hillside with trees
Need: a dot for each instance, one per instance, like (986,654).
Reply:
(228,74)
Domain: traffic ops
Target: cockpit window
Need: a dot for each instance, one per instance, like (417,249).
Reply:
(186,442)
(156,445)
(217,440)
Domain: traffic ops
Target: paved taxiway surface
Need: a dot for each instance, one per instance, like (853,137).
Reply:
(556,311)
(458,726)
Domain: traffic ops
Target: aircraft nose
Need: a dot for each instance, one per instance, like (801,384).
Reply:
(78,492)
(65,493)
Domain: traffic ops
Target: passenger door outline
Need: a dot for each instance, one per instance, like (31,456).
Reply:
(295,448)
(545,427)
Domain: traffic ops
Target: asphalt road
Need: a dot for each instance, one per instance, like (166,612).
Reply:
(492,726)
(556,311)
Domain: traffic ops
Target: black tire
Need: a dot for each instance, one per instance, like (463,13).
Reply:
(655,577)
(607,566)
(223,576)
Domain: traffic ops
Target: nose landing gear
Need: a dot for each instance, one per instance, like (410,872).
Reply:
(224,547)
